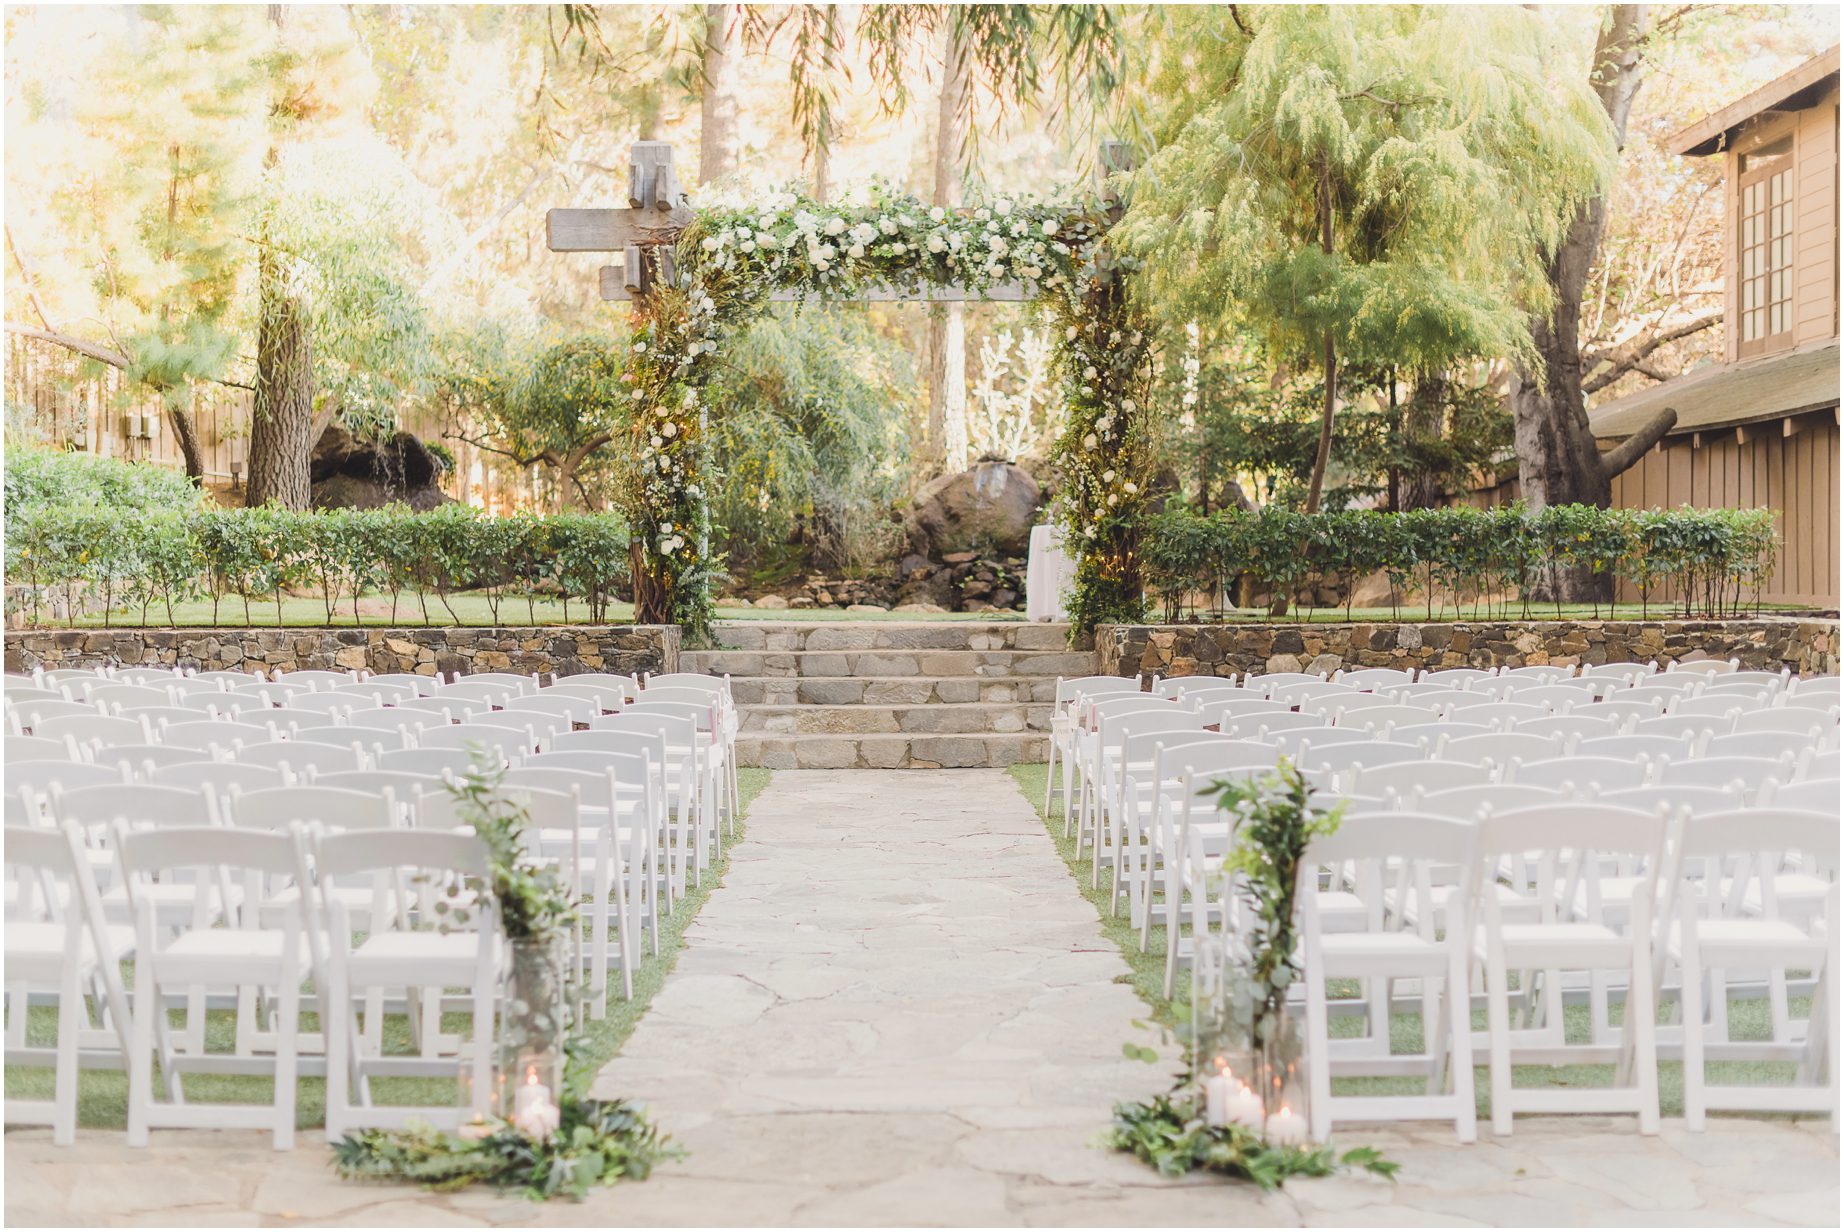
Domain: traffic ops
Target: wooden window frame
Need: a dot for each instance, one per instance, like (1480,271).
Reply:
(1765,135)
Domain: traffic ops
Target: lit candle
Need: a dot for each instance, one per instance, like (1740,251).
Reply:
(1218,1090)
(1285,1128)
(532,1093)
(1245,1107)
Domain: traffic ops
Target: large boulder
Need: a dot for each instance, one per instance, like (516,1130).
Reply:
(988,508)
(351,473)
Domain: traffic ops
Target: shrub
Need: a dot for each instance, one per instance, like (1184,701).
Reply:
(40,478)
(1485,558)
(155,558)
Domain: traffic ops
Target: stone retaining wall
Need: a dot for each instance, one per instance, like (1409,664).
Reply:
(565,649)
(1807,645)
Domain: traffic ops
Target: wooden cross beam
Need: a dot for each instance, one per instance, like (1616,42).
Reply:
(657,212)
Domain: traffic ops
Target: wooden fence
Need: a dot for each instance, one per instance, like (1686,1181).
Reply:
(88,406)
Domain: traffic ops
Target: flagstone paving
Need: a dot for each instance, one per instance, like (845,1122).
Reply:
(898,1011)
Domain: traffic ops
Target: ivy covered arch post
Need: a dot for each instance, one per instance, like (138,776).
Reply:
(698,276)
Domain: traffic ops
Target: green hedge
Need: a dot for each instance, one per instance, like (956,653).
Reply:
(1712,561)
(40,478)
(146,561)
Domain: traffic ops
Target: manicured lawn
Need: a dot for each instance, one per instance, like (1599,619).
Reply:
(102,1099)
(1747,1019)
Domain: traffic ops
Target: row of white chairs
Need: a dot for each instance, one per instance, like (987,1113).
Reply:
(1137,759)
(627,781)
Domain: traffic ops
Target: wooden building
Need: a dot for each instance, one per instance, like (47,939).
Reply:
(1761,428)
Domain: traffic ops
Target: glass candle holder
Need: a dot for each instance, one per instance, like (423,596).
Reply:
(534,1019)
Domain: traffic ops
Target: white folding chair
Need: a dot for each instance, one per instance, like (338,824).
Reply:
(507,744)
(1321,764)
(395,718)
(1712,933)
(1372,851)
(1625,674)
(1573,840)
(27,717)
(1457,677)
(1748,774)
(42,777)
(303,759)
(1808,795)
(449,708)
(418,684)
(21,750)
(118,697)
(55,939)
(1545,673)
(1657,748)
(1499,748)
(1824,691)
(1771,744)
(1582,725)
(420,951)
(1070,691)
(1495,714)
(1586,776)
(206,734)
(1374,678)
(1268,682)
(370,740)
(1404,778)
(438,763)
(94,730)
(246,955)
(217,777)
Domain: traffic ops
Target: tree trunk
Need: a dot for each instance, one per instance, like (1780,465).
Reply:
(1558,461)
(1323,454)
(720,142)
(282,421)
(947,336)
(187,436)
(1423,422)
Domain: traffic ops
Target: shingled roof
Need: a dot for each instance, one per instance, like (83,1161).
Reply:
(1725,395)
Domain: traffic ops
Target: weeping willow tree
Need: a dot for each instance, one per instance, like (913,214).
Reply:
(1375,184)
(811,445)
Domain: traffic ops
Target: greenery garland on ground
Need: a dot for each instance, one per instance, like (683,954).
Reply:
(583,1142)
(736,254)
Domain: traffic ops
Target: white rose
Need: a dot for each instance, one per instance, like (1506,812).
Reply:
(856,250)
(639,347)
(1107,476)
(765,222)
(1113,500)
(670,430)
(1070,333)
(937,214)
(864,233)
(1049,227)
(821,263)
(982,214)
(937,244)
(1002,207)
(691,399)
(748,245)
(1130,487)
(828,252)
(665,528)
(898,249)
(710,243)
(1089,373)
(1091,441)
(999,247)
(885,225)
(1130,405)
(835,226)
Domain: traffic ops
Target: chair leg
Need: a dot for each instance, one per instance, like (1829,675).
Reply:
(1049,775)
(1460,1062)
(1498,1027)
(1690,995)
(64,1077)
(336,1025)
(141,1056)
(1642,1016)
(287,1048)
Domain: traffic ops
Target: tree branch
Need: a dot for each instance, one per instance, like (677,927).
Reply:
(1632,356)
(1622,456)
(95,351)
(31,282)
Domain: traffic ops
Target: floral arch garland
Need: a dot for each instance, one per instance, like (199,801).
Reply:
(734,256)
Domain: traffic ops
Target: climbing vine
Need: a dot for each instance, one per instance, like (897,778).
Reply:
(736,254)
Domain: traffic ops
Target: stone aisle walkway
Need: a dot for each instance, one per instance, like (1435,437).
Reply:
(898,1011)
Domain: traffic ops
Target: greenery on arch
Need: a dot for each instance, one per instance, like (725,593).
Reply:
(736,254)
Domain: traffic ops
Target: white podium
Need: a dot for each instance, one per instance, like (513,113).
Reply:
(1048,573)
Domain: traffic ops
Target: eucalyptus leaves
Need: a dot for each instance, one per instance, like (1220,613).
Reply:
(736,254)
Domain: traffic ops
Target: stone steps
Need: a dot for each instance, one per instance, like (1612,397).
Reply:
(888,690)
(892,694)
(889,752)
(940,718)
(935,664)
